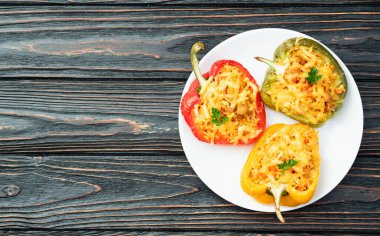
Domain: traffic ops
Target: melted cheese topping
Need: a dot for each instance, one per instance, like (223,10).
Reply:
(234,95)
(291,91)
(297,142)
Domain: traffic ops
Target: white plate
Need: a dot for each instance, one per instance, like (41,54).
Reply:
(219,166)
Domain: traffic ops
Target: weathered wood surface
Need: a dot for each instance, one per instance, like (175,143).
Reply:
(89,99)
(234,3)
(138,233)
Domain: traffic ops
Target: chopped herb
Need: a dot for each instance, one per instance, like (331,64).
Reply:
(313,76)
(224,119)
(286,166)
(199,89)
(217,117)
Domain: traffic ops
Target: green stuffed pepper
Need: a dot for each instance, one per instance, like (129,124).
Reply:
(304,81)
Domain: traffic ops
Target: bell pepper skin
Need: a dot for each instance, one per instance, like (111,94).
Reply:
(192,97)
(283,52)
(264,192)
(188,102)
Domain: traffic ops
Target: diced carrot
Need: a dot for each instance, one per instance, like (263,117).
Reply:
(273,168)
(261,175)
(339,91)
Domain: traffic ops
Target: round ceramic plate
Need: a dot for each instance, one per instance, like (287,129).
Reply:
(219,166)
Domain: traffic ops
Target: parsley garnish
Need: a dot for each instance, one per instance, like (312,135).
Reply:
(199,89)
(313,76)
(286,166)
(217,117)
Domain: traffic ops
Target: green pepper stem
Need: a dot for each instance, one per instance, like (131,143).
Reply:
(279,69)
(197,47)
(277,194)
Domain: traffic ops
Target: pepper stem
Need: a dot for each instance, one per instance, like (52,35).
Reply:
(197,47)
(279,69)
(277,194)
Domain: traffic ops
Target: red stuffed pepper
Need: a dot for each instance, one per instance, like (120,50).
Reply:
(224,105)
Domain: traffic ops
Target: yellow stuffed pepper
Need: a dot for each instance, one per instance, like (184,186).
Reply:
(283,165)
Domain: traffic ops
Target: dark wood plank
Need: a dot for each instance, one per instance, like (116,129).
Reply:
(137,117)
(136,42)
(191,2)
(163,192)
(105,116)
(138,233)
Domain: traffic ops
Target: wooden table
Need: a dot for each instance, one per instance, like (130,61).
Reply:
(89,101)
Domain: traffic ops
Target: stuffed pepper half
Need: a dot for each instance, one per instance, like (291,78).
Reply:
(304,81)
(283,165)
(224,105)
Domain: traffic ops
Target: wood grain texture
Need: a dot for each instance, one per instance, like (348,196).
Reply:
(163,192)
(89,102)
(151,43)
(234,3)
(108,116)
(138,233)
